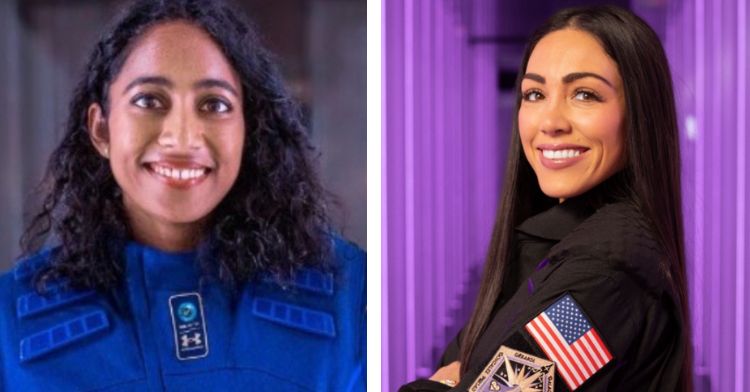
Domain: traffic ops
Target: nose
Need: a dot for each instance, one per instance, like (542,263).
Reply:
(554,119)
(181,130)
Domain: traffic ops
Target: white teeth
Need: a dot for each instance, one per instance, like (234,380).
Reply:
(560,154)
(177,174)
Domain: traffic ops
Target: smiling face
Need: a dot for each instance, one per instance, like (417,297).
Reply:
(571,118)
(174,130)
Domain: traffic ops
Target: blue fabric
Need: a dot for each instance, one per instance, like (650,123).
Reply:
(309,336)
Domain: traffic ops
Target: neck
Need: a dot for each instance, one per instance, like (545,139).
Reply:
(170,238)
(164,235)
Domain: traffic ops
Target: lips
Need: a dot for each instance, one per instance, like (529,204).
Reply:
(560,156)
(178,174)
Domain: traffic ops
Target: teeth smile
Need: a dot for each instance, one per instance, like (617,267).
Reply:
(178,174)
(560,154)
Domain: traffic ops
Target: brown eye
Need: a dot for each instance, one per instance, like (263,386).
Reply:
(532,95)
(147,101)
(585,95)
(215,105)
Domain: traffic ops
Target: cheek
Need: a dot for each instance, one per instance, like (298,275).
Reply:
(526,129)
(608,131)
(230,145)
(130,134)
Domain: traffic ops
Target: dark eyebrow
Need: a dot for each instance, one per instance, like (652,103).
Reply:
(162,81)
(579,75)
(209,83)
(569,77)
(535,77)
(158,80)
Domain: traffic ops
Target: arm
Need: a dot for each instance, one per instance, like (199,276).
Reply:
(616,304)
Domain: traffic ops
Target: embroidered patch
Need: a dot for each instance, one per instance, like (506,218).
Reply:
(297,317)
(189,326)
(56,296)
(63,334)
(310,280)
(27,267)
(512,370)
(568,338)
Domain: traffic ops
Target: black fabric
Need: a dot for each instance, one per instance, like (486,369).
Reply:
(424,386)
(602,252)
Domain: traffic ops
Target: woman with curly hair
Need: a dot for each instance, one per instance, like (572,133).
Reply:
(193,249)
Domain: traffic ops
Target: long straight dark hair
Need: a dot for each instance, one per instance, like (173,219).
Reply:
(652,174)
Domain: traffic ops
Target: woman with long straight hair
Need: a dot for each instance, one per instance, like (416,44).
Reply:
(584,286)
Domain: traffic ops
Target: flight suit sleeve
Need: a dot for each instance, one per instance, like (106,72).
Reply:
(579,296)
(452,351)
(357,378)
(361,372)
(424,386)
(7,297)
(450,355)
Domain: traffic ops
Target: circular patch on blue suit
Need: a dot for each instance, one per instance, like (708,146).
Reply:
(187,312)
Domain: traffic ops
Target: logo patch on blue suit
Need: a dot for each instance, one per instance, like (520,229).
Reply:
(188,326)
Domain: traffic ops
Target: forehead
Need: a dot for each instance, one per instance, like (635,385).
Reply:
(177,50)
(566,51)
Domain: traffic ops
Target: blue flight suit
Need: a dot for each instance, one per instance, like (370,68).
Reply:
(160,331)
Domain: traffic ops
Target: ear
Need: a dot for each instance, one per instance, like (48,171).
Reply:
(98,131)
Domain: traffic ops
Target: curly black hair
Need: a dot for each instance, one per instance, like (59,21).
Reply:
(273,220)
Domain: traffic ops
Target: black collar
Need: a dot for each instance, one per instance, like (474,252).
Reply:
(557,222)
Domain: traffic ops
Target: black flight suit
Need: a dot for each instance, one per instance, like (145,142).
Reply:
(603,253)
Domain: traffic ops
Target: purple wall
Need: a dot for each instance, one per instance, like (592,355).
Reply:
(446,127)
(707,45)
(441,120)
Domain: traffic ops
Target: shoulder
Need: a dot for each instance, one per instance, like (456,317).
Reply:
(347,260)
(616,230)
(18,279)
(619,242)
(334,291)
(21,299)
(25,268)
(43,322)
(320,309)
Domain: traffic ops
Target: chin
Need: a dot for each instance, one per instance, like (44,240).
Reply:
(183,216)
(559,190)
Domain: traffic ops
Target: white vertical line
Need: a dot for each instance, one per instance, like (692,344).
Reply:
(700,111)
(377,82)
(437,102)
(409,188)
(716,361)
(739,357)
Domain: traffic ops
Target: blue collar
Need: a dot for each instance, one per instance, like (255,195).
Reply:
(162,269)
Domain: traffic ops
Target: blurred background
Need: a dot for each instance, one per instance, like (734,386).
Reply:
(319,44)
(450,67)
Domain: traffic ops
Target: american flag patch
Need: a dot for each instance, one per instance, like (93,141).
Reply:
(568,338)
